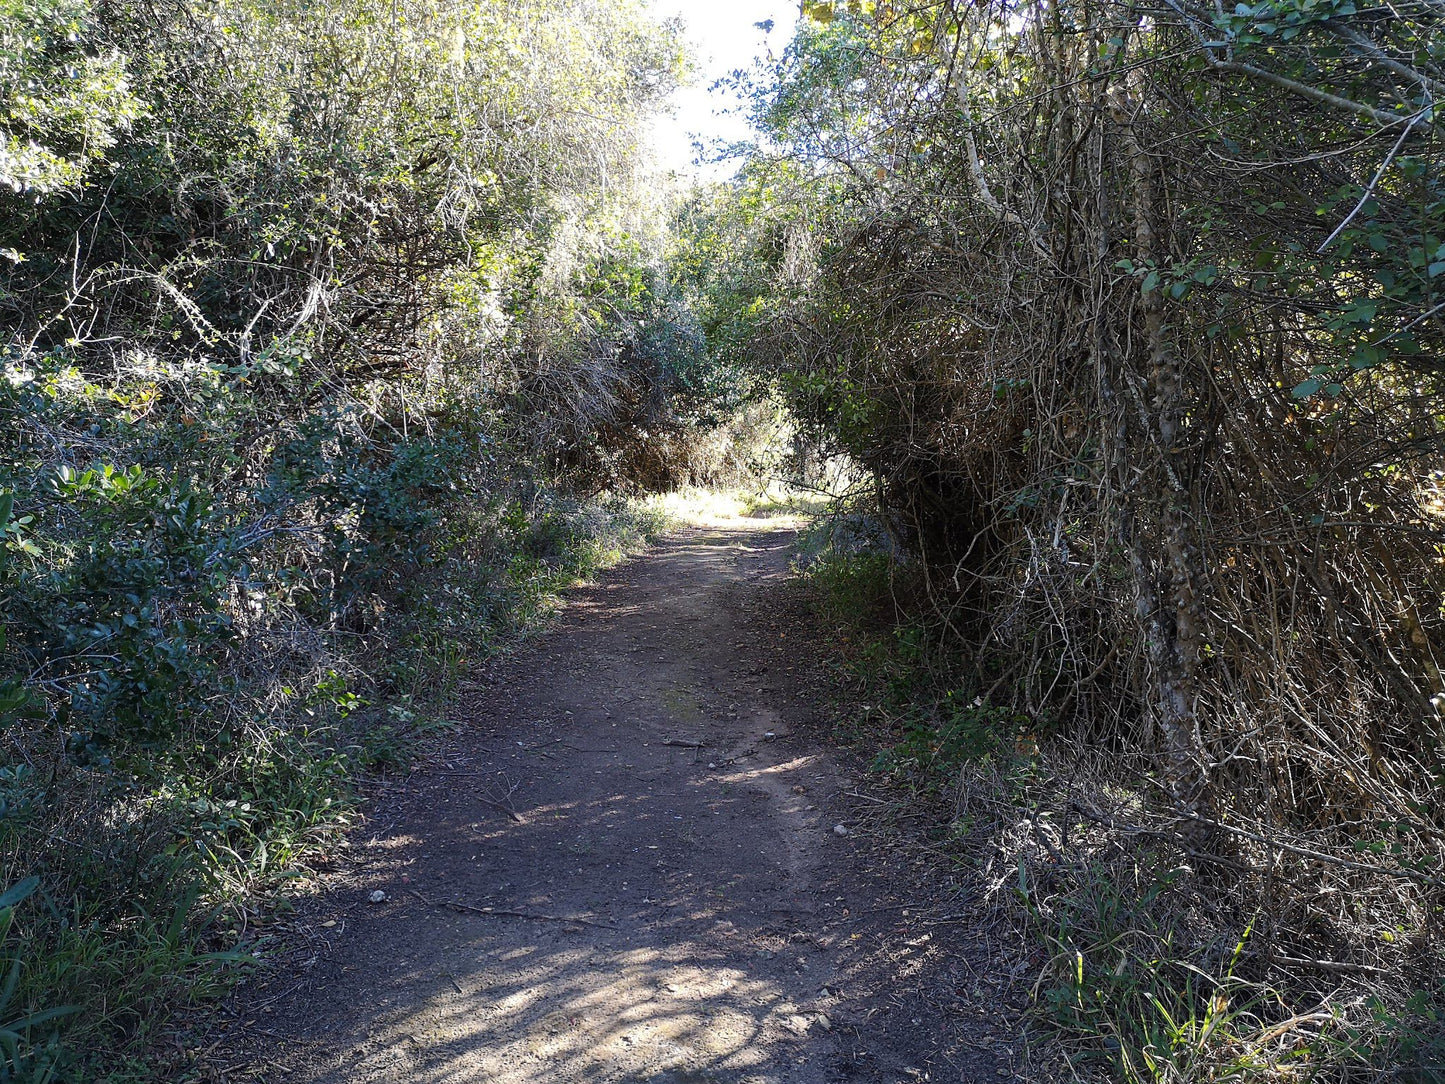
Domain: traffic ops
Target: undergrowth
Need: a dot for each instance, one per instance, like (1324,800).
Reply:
(140,888)
(1164,965)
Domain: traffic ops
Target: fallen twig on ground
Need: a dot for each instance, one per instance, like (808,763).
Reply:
(504,912)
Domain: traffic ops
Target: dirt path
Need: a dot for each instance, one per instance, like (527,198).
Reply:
(577,892)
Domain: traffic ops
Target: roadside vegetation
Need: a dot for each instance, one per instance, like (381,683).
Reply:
(1129,319)
(337,338)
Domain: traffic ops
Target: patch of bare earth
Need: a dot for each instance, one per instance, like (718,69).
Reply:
(626,867)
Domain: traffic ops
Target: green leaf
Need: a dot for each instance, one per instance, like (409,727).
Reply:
(1151,282)
(1305,388)
(1362,312)
(17,892)
(13,698)
(45,1016)
(1364,357)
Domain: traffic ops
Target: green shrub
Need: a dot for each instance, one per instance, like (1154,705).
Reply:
(956,730)
(268,306)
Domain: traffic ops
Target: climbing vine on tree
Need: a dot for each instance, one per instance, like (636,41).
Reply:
(1132,316)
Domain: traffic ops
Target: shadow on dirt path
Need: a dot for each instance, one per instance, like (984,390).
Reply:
(625,868)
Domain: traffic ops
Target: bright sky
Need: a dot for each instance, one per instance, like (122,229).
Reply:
(725,37)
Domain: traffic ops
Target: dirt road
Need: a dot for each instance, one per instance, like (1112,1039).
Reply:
(629,867)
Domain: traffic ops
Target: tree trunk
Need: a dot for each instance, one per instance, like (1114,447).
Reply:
(1166,571)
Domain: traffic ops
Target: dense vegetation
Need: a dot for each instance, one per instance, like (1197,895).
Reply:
(335,334)
(323,324)
(1132,314)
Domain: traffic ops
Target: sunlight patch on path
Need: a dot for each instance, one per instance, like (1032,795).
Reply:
(587,1014)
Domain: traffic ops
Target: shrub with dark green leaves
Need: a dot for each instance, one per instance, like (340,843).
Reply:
(276,281)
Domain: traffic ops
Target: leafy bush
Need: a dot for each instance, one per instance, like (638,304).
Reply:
(958,730)
(278,283)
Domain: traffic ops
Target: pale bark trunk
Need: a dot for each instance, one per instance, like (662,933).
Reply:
(1167,582)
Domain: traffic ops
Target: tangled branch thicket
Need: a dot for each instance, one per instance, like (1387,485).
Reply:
(1133,314)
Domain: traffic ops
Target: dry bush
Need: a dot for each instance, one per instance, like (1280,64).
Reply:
(1167,459)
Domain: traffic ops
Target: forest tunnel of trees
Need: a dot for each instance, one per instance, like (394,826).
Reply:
(337,334)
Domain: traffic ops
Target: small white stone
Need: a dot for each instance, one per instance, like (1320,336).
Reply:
(378,896)
(840,829)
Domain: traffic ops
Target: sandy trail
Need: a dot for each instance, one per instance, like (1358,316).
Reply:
(676,909)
